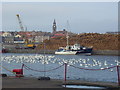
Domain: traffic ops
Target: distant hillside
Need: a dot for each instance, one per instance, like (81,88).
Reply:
(98,41)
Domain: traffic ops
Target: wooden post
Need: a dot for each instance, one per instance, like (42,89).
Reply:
(65,73)
(118,73)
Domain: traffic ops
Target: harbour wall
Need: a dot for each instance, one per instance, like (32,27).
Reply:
(106,52)
(31,51)
(94,52)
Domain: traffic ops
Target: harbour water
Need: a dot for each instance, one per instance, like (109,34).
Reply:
(79,67)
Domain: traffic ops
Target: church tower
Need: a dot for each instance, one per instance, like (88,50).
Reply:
(54,26)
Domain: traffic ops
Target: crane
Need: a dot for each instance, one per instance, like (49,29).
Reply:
(27,43)
(20,22)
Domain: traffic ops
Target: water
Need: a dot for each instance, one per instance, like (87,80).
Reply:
(84,87)
(36,63)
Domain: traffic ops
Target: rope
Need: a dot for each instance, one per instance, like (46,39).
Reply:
(94,69)
(7,69)
(28,68)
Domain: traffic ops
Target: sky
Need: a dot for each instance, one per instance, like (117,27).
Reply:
(99,17)
(60,0)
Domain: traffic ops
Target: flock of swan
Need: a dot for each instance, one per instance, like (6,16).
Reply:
(48,59)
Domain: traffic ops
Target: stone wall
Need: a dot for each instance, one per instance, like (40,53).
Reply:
(94,52)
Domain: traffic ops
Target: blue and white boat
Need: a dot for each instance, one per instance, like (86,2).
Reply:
(74,49)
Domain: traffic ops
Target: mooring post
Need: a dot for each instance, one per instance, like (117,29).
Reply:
(22,68)
(118,73)
(65,73)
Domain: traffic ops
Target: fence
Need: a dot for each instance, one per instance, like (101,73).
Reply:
(65,65)
(65,70)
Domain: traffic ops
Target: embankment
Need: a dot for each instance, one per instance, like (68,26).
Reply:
(106,52)
(95,52)
(31,51)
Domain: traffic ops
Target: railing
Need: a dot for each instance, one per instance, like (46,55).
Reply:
(65,70)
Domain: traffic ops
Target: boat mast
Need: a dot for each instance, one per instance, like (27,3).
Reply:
(67,33)
(67,38)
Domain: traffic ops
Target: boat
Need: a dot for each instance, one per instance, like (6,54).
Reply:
(74,50)
(4,50)
(62,51)
(81,49)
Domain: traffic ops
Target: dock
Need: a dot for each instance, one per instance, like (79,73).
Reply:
(33,83)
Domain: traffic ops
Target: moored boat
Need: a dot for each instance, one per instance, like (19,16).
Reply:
(4,50)
(65,52)
(74,50)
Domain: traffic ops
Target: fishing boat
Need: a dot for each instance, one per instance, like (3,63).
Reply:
(82,49)
(4,50)
(74,50)
(63,51)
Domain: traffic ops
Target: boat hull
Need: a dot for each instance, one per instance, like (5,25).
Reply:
(87,54)
(89,51)
(3,51)
(74,49)
(79,52)
(66,53)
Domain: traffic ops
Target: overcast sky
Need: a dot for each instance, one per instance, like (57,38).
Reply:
(97,17)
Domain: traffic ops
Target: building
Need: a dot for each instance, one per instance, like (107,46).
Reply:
(39,39)
(113,32)
(8,39)
(54,26)
(1,39)
(6,34)
(18,39)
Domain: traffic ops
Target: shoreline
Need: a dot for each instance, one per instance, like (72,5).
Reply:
(94,52)
(32,82)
